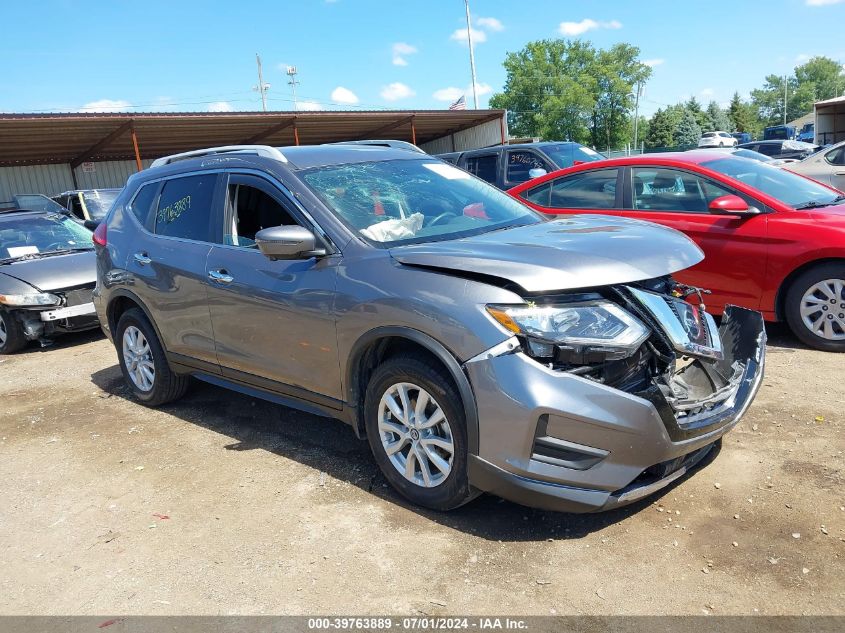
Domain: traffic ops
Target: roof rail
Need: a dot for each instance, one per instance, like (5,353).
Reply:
(260,150)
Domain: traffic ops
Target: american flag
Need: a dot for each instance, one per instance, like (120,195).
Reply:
(460,104)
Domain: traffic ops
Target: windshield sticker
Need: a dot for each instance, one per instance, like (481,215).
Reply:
(447,171)
(172,211)
(17,251)
(589,151)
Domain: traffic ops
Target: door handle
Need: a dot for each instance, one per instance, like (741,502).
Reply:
(840,173)
(220,276)
(142,258)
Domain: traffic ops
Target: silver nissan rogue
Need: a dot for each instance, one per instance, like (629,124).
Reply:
(477,346)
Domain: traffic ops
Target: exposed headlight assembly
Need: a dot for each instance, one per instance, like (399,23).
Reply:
(592,331)
(32,300)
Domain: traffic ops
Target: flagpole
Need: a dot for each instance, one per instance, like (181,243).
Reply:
(471,56)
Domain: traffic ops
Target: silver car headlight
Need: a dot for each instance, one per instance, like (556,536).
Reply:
(601,326)
(34,299)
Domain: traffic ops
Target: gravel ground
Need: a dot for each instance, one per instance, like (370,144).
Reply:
(222,504)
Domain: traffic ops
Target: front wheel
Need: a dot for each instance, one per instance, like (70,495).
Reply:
(815,307)
(12,338)
(417,432)
(143,363)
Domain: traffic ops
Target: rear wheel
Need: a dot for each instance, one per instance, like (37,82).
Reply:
(815,307)
(143,363)
(12,338)
(417,432)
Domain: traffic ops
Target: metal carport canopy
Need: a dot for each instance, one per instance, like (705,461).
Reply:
(74,138)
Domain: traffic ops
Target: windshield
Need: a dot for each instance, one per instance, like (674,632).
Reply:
(409,201)
(37,235)
(789,188)
(568,154)
(98,202)
(38,202)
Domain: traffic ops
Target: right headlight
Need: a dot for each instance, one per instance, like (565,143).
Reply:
(30,300)
(594,326)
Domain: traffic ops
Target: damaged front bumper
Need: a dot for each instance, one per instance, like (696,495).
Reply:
(558,441)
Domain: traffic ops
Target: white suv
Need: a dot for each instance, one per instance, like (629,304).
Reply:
(716,139)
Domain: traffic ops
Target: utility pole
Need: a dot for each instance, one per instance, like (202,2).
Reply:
(637,113)
(785,88)
(291,72)
(261,87)
(471,56)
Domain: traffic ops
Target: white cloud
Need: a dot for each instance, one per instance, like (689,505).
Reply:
(452,94)
(461,36)
(802,57)
(400,50)
(396,91)
(821,3)
(654,62)
(448,94)
(220,106)
(106,105)
(491,24)
(579,28)
(344,95)
(309,105)
(707,92)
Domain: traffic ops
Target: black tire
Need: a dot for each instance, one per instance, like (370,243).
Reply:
(792,307)
(454,490)
(166,385)
(15,338)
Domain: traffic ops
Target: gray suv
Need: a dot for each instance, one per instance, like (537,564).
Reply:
(475,345)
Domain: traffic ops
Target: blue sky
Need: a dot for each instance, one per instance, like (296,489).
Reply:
(64,55)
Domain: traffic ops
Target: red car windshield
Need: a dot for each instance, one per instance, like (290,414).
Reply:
(796,191)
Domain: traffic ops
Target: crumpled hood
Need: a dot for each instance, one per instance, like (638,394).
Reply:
(573,252)
(55,272)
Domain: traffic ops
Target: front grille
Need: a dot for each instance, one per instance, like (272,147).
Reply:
(78,296)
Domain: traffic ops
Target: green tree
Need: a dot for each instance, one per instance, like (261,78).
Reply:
(567,89)
(817,79)
(743,115)
(688,130)
(719,119)
(661,130)
(701,117)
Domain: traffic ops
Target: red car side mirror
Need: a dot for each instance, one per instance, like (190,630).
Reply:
(732,205)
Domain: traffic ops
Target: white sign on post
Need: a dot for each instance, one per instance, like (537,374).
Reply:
(88,168)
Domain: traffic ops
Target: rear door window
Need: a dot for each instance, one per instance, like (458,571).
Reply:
(184,208)
(520,164)
(585,190)
(483,166)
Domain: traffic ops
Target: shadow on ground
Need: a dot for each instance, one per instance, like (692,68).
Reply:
(329,445)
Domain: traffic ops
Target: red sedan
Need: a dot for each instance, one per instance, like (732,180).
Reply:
(773,241)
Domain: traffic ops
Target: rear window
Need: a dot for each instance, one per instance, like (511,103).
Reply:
(708,135)
(184,207)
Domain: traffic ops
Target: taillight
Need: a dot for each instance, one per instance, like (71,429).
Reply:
(99,237)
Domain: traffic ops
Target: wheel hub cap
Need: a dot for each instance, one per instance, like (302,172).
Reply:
(138,358)
(818,309)
(415,435)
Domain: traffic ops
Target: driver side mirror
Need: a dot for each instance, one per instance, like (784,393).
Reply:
(536,172)
(91,225)
(288,242)
(732,205)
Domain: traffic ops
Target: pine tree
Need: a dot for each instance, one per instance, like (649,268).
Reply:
(688,131)
(719,119)
(660,130)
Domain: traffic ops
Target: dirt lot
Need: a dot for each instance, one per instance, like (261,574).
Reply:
(222,504)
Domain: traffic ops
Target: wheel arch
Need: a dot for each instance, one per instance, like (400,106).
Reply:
(122,300)
(381,343)
(783,289)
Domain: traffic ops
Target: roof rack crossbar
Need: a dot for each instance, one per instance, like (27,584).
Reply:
(260,150)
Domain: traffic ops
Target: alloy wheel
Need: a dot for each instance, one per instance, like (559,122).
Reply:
(415,435)
(823,309)
(138,358)
(3,332)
